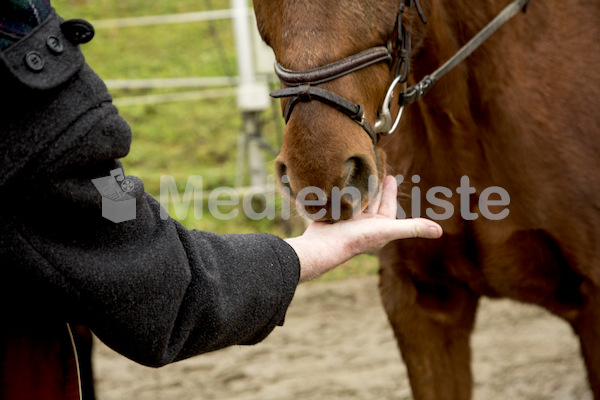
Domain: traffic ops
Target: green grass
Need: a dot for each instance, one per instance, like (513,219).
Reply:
(188,137)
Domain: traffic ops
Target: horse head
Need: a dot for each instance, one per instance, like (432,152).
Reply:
(327,145)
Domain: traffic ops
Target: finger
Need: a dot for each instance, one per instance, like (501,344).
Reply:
(373,206)
(428,229)
(389,202)
(411,228)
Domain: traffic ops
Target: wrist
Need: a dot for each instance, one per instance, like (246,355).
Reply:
(315,257)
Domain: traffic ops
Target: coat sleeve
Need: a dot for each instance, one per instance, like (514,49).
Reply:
(149,288)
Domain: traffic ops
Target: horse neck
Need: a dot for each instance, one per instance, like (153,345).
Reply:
(451,25)
(447,120)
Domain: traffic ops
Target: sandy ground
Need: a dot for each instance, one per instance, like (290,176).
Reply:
(337,344)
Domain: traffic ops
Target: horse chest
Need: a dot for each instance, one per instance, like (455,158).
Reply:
(528,266)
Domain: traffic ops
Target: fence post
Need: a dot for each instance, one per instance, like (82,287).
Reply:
(252,97)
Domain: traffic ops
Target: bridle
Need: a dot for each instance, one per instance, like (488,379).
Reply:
(302,85)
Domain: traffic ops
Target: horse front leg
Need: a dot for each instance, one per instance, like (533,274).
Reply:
(432,324)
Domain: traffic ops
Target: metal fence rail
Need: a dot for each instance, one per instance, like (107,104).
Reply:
(164,19)
(250,86)
(205,94)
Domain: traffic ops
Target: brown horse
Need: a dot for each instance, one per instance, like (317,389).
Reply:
(521,113)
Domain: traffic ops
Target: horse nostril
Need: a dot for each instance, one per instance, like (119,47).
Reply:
(357,174)
(356,190)
(352,165)
(281,171)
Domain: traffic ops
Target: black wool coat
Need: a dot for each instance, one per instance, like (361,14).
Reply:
(149,288)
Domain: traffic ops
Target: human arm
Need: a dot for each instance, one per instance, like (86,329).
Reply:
(149,288)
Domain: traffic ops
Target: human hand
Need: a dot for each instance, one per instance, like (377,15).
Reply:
(324,246)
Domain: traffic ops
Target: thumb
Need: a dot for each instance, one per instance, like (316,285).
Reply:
(411,228)
(374,233)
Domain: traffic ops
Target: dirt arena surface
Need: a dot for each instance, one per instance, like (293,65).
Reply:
(337,344)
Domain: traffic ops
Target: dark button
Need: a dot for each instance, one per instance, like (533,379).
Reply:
(54,44)
(34,61)
(77,30)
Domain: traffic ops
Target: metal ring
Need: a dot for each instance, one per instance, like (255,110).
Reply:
(383,124)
